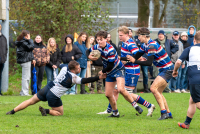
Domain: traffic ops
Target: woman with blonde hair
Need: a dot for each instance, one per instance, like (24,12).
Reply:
(83,45)
(55,59)
(70,52)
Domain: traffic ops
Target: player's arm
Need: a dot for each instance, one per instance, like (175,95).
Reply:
(136,56)
(184,56)
(92,79)
(109,67)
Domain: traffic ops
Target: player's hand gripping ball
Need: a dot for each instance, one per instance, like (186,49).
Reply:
(95,53)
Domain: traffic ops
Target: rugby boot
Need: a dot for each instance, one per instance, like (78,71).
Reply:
(151,109)
(139,109)
(163,116)
(42,110)
(183,125)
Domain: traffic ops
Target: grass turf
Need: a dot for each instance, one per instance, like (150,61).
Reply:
(80,116)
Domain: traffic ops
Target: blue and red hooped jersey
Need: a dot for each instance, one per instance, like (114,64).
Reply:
(108,54)
(130,48)
(161,58)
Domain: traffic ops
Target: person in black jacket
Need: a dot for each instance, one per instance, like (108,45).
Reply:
(3,54)
(55,60)
(25,47)
(70,52)
(110,41)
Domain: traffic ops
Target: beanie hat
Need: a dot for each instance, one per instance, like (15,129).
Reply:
(184,33)
(161,32)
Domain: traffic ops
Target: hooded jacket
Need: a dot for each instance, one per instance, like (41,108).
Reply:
(24,50)
(67,56)
(191,36)
(4,49)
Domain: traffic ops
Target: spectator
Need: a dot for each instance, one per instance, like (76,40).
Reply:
(175,82)
(110,41)
(95,68)
(3,54)
(169,47)
(41,57)
(130,34)
(143,68)
(24,57)
(82,44)
(191,32)
(70,52)
(184,78)
(55,59)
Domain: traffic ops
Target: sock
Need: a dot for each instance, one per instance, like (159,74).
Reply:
(12,112)
(115,112)
(188,120)
(134,104)
(143,102)
(47,111)
(109,109)
(163,111)
(169,113)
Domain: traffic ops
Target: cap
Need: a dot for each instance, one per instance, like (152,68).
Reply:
(175,33)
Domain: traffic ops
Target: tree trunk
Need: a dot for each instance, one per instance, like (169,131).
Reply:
(198,18)
(143,13)
(156,13)
(163,13)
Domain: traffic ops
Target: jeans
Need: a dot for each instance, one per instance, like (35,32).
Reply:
(172,83)
(145,74)
(26,75)
(39,74)
(1,70)
(184,79)
(50,73)
(179,82)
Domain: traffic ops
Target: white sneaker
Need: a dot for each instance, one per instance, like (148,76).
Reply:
(105,112)
(151,109)
(177,91)
(183,91)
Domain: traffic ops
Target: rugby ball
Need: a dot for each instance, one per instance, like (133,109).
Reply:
(96,53)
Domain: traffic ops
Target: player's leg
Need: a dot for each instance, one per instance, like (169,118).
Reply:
(56,111)
(157,88)
(190,113)
(109,88)
(25,104)
(109,108)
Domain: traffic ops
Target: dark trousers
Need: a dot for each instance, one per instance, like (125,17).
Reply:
(39,74)
(1,70)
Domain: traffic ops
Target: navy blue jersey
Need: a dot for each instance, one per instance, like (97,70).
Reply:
(192,55)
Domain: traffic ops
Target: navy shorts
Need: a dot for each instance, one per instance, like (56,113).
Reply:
(46,95)
(131,80)
(195,92)
(166,74)
(118,73)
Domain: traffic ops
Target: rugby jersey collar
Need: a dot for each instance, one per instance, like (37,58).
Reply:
(150,40)
(197,44)
(106,47)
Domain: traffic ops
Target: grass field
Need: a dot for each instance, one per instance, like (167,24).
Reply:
(80,116)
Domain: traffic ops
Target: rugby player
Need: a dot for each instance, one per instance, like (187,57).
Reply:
(55,89)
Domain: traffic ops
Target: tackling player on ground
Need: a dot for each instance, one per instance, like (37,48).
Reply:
(55,89)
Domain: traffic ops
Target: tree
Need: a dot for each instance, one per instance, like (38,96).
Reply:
(143,13)
(156,20)
(56,18)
